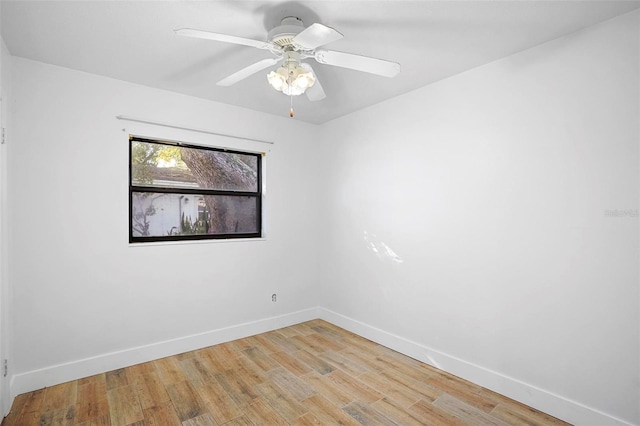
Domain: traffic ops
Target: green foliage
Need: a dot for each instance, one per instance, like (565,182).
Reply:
(171,154)
(190,227)
(140,217)
(145,156)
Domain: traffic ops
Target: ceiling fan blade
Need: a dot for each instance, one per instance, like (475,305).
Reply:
(357,62)
(188,32)
(247,71)
(315,92)
(316,35)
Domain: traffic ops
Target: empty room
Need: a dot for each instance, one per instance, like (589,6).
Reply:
(320,212)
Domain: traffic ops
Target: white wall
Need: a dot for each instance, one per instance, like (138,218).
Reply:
(467,224)
(5,290)
(463,223)
(84,299)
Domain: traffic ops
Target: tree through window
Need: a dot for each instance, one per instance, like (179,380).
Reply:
(186,192)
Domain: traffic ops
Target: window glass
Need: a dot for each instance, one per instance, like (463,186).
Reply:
(184,192)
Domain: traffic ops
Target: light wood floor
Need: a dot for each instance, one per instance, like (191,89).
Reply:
(309,374)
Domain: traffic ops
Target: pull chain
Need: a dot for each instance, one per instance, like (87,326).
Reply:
(291,109)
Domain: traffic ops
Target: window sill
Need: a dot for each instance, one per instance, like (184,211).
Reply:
(212,241)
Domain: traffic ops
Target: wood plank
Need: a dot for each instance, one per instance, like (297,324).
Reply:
(60,396)
(345,364)
(61,417)
(366,360)
(325,342)
(186,400)
(288,332)
(97,421)
(248,370)
(322,328)
(291,363)
(116,378)
(515,413)
(30,402)
(393,364)
(17,408)
(286,405)
(236,387)
(219,356)
(25,419)
(240,345)
(124,406)
(186,355)
(267,346)
(395,413)
(282,341)
(169,370)
(138,370)
(203,420)
(290,383)
(261,413)
(329,389)
(407,360)
(401,394)
(307,344)
(308,419)
(315,363)
(260,359)
(428,413)
(151,391)
(198,370)
(366,415)
(218,402)
(91,401)
(303,329)
(362,344)
(161,415)
(466,412)
(240,421)
(427,392)
(95,378)
(358,389)
(464,391)
(327,412)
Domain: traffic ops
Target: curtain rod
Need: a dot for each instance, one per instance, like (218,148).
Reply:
(177,126)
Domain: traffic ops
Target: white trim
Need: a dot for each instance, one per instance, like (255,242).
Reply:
(190,129)
(48,376)
(213,240)
(548,402)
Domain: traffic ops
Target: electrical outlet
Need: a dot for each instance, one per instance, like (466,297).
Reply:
(273,297)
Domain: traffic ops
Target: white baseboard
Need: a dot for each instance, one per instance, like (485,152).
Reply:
(548,402)
(38,379)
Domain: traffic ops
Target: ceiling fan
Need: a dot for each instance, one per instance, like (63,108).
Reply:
(291,43)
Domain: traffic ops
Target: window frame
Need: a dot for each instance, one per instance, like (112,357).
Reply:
(258,195)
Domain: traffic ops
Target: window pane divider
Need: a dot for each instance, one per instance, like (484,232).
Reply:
(194,191)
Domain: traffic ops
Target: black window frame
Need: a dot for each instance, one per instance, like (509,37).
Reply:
(194,191)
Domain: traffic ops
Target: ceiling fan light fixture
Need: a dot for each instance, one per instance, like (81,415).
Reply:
(293,82)
(304,80)
(278,79)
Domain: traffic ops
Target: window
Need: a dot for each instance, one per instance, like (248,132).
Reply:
(185,192)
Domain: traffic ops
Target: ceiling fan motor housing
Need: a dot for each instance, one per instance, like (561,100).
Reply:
(283,34)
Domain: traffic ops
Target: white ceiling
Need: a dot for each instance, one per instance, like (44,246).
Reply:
(134,41)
